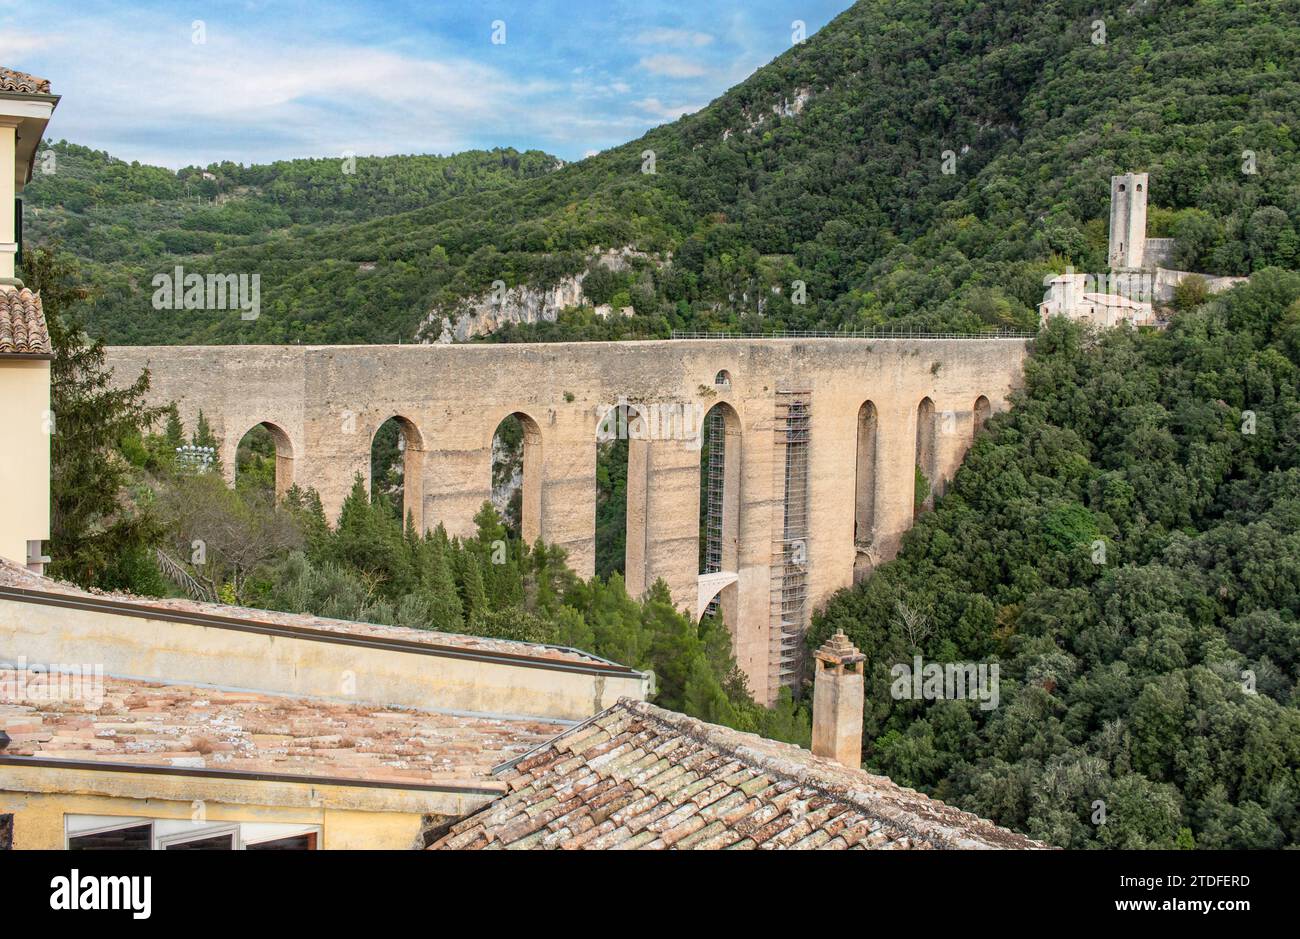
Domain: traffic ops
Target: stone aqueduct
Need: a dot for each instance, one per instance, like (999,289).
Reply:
(816,484)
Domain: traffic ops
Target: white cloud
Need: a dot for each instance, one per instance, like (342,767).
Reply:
(657,108)
(15,45)
(270,85)
(662,36)
(592,89)
(149,93)
(672,66)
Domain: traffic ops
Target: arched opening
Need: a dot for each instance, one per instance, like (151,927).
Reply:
(397,469)
(925,457)
(981,414)
(264,460)
(517,475)
(722,379)
(864,513)
(719,549)
(612,448)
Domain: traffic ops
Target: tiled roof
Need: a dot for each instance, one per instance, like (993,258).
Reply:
(22,323)
(156,724)
(1115,299)
(11,80)
(637,776)
(12,575)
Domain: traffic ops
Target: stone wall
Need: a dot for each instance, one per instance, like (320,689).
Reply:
(328,401)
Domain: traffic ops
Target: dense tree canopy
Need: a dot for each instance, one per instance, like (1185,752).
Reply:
(1125,545)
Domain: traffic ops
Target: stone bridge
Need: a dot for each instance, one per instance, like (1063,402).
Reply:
(815,485)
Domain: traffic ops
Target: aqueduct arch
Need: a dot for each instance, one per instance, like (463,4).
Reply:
(411,442)
(284,455)
(794,438)
(530,511)
(720,500)
(865,483)
(926,453)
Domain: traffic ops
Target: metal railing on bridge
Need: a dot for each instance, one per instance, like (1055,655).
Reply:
(876,333)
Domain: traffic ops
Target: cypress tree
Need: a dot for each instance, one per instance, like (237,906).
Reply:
(94,540)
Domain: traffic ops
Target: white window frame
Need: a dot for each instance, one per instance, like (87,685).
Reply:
(256,831)
(104,829)
(163,842)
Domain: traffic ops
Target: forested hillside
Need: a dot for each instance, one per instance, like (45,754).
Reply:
(1125,545)
(913,162)
(128,221)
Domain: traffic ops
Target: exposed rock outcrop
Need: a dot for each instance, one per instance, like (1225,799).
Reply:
(485,313)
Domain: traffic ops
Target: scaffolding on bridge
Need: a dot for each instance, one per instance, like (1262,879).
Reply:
(714,491)
(789,594)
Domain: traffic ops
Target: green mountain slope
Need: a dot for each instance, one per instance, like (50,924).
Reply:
(128,221)
(827,166)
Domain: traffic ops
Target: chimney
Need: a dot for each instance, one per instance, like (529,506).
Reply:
(837,702)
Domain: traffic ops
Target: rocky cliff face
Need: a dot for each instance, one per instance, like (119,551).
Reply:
(485,313)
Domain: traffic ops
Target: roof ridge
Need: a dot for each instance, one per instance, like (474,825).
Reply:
(766,754)
(639,776)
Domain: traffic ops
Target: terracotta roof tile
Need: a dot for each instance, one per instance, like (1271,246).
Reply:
(704,787)
(163,724)
(22,323)
(11,80)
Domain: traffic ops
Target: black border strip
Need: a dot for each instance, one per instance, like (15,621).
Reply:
(143,611)
(104,766)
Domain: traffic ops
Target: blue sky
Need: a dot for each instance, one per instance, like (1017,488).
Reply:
(289,79)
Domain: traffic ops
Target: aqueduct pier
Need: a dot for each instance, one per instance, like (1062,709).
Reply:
(815,485)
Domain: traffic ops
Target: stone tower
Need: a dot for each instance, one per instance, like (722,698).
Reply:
(837,702)
(1128,220)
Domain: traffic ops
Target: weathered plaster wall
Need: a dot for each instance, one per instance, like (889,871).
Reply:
(166,650)
(329,401)
(350,817)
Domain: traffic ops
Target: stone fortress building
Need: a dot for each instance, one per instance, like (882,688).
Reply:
(1138,280)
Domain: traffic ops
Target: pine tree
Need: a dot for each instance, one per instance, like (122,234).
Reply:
(203,436)
(471,580)
(305,505)
(95,541)
(438,585)
(704,697)
(174,434)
